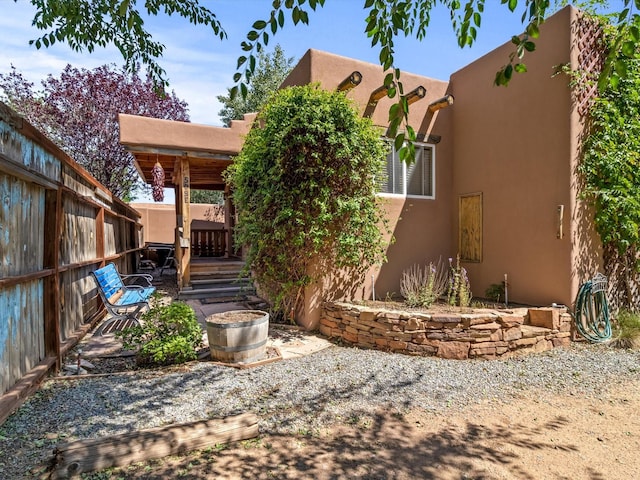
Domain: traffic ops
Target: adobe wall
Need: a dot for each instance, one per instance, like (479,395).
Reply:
(142,131)
(159,220)
(517,145)
(329,70)
(421,230)
(421,227)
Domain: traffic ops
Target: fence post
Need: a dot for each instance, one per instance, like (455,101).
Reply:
(51,305)
(100,236)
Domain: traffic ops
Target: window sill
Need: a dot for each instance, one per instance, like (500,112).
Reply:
(398,195)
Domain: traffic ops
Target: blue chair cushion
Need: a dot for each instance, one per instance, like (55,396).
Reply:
(135,296)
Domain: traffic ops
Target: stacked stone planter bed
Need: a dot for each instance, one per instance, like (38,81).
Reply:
(485,334)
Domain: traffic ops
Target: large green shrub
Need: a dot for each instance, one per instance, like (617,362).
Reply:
(167,334)
(611,173)
(305,184)
(611,160)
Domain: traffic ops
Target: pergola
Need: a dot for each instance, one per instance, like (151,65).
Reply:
(192,156)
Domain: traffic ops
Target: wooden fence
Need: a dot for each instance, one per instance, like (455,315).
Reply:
(57,224)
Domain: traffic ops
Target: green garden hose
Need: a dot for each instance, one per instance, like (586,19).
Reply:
(592,310)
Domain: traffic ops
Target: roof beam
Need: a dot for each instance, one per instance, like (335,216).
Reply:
(375,97)
(176,152)
(350,82)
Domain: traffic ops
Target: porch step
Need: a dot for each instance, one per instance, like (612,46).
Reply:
(217,292)
(216,278)
(202,282)
(228,276)
(203,267)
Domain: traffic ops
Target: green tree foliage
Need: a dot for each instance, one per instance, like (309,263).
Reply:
(87,24)
(611,166)
(271,71)
(305,188)
(79,111)
(611,163)
(385,21)
(207,196)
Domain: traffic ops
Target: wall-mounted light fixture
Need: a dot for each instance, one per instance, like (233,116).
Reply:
(351,81)
(416,94)
(441,103)
(560,221)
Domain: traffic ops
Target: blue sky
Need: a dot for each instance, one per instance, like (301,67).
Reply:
(200,66)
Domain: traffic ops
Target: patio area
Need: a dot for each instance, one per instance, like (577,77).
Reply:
(105,353)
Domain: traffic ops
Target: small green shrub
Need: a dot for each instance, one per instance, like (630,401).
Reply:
(421,287)
(626,330)
(495,291)
(168,334)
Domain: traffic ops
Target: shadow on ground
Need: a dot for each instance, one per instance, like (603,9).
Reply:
(372,447)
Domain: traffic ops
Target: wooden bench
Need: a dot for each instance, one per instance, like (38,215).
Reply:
(122,301)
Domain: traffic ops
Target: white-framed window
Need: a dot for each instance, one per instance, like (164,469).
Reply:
(415,180)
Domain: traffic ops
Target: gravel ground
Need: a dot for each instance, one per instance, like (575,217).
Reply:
(296,395)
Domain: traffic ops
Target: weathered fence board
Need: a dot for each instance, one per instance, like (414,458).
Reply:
(21,333)
(78,232)
(77,183)
(79,301)
(57,224)
(111,235)
(21,224)
(23,151)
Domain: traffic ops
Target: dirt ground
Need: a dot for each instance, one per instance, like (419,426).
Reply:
(537,436)
(534,437)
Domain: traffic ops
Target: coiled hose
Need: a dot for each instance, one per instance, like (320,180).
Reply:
(592,310)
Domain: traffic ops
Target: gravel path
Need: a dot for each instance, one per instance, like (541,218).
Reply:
(304,394)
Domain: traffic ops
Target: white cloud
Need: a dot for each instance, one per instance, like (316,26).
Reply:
(198,65)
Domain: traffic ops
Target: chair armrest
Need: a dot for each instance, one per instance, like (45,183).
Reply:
(134,287)
(145,276)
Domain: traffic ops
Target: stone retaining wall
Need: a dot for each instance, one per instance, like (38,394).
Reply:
(482,334)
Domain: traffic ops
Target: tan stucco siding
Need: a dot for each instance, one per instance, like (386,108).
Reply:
(143,131)
(514,145)
(421,234)
(329,70)
(159,220)
(421,227)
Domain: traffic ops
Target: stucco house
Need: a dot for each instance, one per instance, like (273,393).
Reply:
(495,175)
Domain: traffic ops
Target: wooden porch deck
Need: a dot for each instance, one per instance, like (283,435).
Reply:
(217,277)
